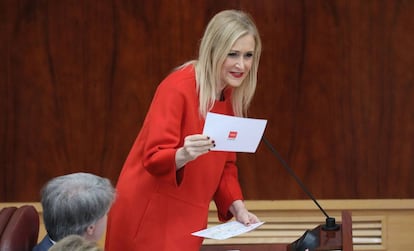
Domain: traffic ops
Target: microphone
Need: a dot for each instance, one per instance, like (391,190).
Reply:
(308,239)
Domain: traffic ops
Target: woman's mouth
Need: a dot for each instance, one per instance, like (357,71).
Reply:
(237,74)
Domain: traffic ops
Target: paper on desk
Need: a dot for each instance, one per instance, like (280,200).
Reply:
(232,133)
(226,230)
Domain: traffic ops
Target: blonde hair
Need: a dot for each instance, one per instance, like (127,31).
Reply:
(223,30)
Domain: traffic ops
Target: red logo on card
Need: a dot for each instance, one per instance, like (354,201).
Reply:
(232,135)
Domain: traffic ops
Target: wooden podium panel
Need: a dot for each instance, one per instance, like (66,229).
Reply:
(245,247)
(346,225)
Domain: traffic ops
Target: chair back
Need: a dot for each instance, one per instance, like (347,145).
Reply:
(19,228)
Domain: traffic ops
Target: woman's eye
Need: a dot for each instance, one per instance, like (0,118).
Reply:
(248,55)
(232,54)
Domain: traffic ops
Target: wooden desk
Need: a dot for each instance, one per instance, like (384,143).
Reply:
(384,224)
(339,238)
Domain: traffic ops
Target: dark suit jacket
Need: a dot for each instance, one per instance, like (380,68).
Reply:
(44,245)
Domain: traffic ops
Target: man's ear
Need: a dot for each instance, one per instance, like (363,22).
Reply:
(91,229)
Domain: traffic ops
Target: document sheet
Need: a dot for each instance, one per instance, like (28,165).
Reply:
(226,230)
(234,134)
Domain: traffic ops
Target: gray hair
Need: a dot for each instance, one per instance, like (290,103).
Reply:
(73,202)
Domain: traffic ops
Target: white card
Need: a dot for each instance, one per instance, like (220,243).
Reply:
(234,134)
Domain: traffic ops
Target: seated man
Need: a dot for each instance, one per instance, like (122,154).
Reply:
(77,204)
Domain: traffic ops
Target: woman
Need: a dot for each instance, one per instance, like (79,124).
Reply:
(170,176)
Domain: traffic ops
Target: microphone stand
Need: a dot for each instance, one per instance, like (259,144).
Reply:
(309,239)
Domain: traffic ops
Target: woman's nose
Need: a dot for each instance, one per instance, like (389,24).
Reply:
(240,63)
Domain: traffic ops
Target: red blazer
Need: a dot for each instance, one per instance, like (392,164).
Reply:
(157,208)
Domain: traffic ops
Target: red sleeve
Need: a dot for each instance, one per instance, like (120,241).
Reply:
(162,131)
(229,189)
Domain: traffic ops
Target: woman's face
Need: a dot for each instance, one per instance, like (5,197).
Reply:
(238,62)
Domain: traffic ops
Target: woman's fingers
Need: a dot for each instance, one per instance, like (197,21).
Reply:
(197,144)
(198,140)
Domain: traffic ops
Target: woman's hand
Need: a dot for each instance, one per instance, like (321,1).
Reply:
(241,214)
(194,146)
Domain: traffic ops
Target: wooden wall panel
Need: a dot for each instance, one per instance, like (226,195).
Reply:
(337,89)
(335,83)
